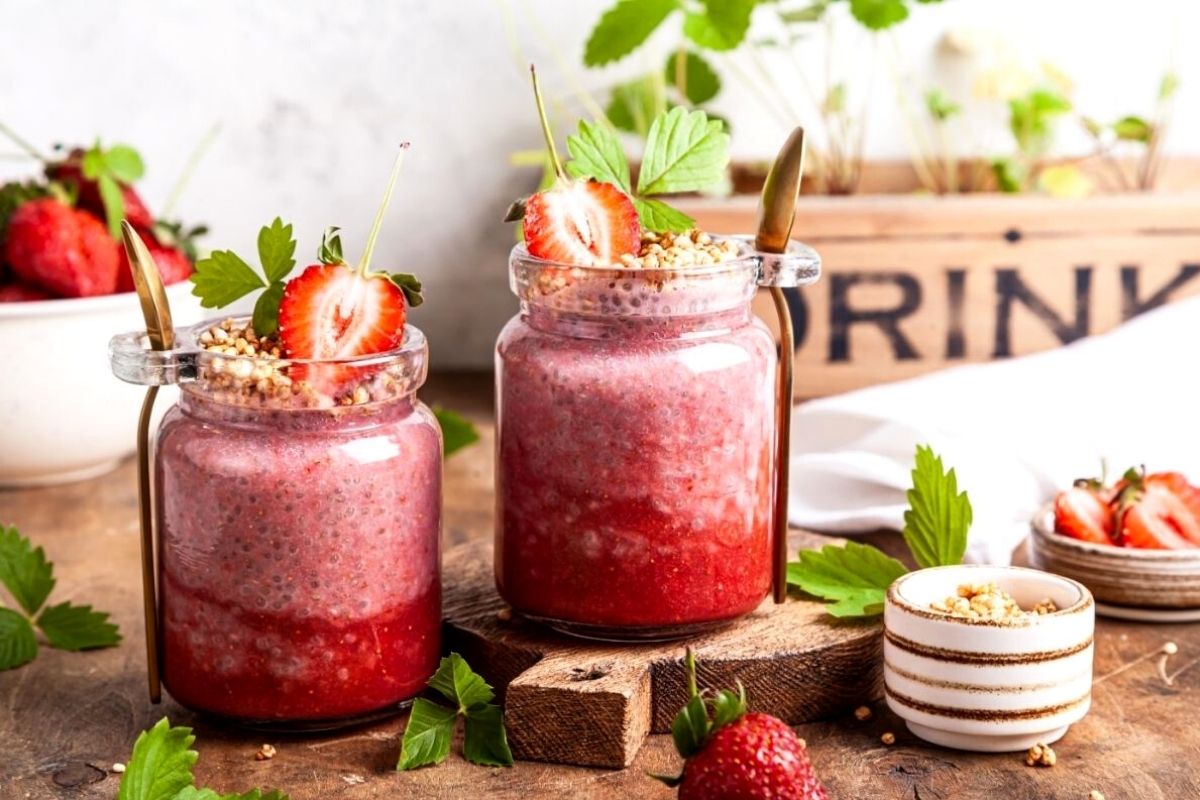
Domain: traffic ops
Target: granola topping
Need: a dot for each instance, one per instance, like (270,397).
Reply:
(679,250)
(1041,755)
(988,602)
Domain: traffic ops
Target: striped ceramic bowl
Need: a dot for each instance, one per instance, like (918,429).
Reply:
(988,686)
(1146,585)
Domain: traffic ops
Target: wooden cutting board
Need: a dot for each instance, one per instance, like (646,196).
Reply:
(569,701)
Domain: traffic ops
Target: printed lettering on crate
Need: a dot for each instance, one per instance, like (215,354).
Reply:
(916,284)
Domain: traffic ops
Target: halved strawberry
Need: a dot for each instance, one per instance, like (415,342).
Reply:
(1181,499)
(330,311)
(1148,524)
(584,223)
(1082,514)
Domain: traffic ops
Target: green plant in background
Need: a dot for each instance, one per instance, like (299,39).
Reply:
(1031,120)
(1141,135)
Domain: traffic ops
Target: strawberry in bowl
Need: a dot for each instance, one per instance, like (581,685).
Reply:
(1156,511)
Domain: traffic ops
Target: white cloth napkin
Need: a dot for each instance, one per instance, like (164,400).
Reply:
(1015,431)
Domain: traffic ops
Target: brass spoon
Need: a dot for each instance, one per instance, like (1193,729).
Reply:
(156,310)
(776,213)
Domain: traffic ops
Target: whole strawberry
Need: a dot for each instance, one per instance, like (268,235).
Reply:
(173,264)
(735,755)
(61,249)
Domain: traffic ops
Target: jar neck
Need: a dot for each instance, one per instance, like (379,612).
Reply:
(613,325)
(200,405)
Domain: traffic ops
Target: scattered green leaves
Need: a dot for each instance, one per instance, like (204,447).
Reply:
(939,516)
(623,28)
(854,578)
(457,431)
(160,768)
(120,164)
(720,25)
(431,725)
(224,277)
(29,578)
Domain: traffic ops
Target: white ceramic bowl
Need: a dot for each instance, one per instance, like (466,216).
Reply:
(987,686)
(1128,583)
(63,415)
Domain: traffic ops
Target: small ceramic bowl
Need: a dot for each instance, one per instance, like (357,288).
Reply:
(1128,583)
(988,686)
(63,416)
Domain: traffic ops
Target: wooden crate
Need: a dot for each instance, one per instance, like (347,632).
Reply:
(913,284)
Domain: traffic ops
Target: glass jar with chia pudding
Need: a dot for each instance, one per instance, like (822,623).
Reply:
(636,438)
(298,511)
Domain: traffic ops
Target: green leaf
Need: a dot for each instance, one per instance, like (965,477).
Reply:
(634,105)
(427,735)
(161,764)
(192,793)
(222,278)
(1133,129)
(660,217)
(1167,86)
(114,203)
(485,741)
(701,82)
(721,26)
(459,684)
(835,99)
(855,577)
(728,706)
(1009,175)
(939,517)
(685,151)
(93,165)
(276,250)
(330,251)
(71,627)
(939,106)
(1093,127)
(623,27)
(266,310)
(877,15)
(457,431)
(690,726)
(124,163)
(409,284)
(24,570)
(596,153)
(812,13)
(17,643)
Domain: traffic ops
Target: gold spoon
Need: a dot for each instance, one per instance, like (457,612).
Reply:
(156,310)
(776,214)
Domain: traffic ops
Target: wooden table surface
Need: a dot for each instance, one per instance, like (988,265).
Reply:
(68,717)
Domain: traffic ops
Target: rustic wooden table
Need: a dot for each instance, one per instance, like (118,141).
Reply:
(69,717)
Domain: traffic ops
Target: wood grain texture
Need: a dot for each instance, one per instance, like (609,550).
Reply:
(67,718)
(593,705)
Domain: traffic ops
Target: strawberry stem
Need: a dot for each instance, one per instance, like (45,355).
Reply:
(689,662)
(21,143)
(549,134)
(387,198)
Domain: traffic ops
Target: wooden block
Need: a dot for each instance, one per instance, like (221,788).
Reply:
(569,701)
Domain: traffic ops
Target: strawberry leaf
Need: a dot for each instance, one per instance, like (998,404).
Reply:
(876,15)
(427,735)
(410,285)
(266,310)
(728,706)
(124,163)
(276,250)
(939,516)
(685,152)
(457,431)
(658,216)
(596,153)
(192,793)
(24,570)
(700,82)
(17,643)
(854,577)
(721,26)
(623,27)
(72,627)
(161,764)
(690,726)
(459,684)
(330,251)
(485,741)
(114,203)
(222,278)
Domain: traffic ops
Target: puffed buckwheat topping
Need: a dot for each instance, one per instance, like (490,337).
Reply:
(679,250)
(988,602)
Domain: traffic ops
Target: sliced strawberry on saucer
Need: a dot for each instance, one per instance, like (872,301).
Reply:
(581,222)
(1148,524)
(587,223)
(1082,514)
(1181,499)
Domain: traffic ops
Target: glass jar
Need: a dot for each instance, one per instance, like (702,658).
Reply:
(298,532)
(635,442)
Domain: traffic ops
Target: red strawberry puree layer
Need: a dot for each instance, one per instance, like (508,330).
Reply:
(634,481)
(300,558)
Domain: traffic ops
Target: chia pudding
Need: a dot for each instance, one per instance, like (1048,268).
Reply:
(300,542)
(635,440)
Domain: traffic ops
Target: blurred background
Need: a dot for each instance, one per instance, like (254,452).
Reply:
(312,97)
